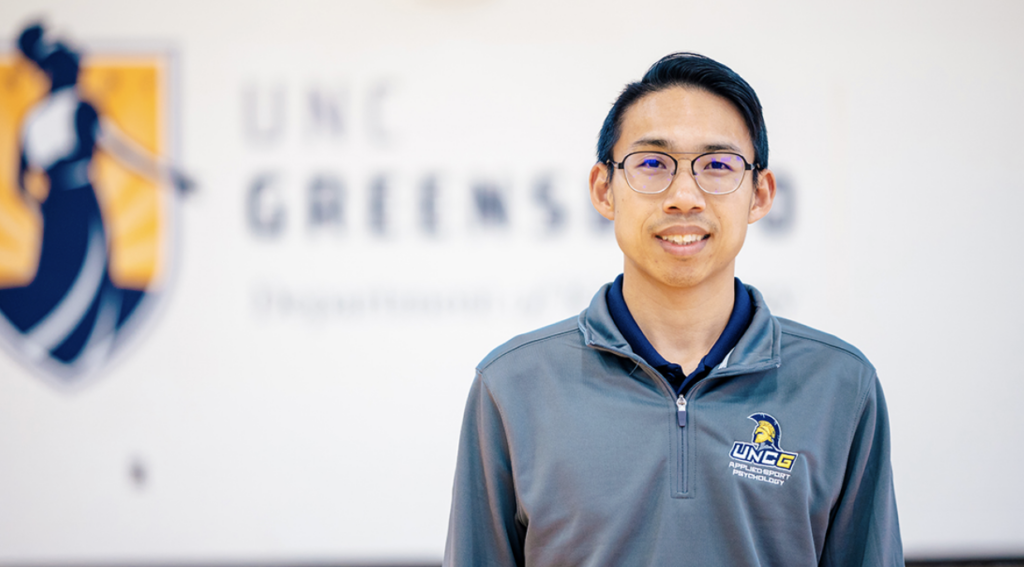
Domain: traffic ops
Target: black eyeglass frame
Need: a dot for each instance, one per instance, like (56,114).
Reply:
(747,166)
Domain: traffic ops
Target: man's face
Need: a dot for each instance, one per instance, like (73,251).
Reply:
(682,237)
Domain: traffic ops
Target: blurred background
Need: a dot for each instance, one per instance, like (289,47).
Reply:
(372,195)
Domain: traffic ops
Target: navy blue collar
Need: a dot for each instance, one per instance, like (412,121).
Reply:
(739,320)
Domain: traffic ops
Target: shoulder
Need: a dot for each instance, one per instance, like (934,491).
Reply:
(829,366)
(831,373)
(543,343)
(796,335)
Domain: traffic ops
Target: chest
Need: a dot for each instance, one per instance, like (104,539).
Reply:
(600,462)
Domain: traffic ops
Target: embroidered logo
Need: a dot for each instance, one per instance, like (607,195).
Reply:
(757,459)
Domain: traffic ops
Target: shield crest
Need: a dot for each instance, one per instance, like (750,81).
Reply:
(86,214)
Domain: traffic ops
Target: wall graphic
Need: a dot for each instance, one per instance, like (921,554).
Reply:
(86,225)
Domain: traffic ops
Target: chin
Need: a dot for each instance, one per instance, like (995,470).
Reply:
(684,282)
(680,279)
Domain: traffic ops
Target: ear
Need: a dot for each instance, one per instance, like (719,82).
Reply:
(763,197)
(601,191)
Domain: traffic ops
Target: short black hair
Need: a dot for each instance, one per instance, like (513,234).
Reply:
(695,71)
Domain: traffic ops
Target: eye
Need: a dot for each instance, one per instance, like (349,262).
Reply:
(720,164)
(650,162)
(649,172)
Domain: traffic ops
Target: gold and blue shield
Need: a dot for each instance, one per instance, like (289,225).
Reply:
(86,224)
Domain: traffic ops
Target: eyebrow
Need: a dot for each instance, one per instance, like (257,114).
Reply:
(666,145)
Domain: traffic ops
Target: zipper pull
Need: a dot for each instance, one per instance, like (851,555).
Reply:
(681,410)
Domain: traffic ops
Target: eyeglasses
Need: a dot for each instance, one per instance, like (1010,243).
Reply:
(717,173)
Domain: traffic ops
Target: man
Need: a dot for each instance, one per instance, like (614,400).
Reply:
(649,430)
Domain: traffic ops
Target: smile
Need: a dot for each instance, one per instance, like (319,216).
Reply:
(683,239)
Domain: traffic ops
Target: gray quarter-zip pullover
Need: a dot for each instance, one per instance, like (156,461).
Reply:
(575,452)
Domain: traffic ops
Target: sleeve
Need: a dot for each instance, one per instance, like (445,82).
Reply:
(483,528)
(864,529)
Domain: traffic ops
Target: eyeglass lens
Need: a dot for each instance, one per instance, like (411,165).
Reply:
(715,172)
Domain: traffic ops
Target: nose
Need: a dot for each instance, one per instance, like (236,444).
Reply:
(683,196)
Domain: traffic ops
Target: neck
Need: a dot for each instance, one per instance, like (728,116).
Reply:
(682,323)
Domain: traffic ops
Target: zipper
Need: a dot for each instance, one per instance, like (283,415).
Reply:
(654,374)
(681,482)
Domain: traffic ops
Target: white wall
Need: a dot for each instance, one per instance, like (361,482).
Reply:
(274,426)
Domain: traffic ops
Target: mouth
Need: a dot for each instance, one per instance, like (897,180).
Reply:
(685,245)
(683,239)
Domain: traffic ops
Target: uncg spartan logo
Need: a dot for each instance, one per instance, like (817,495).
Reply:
(764,447)
(85,212)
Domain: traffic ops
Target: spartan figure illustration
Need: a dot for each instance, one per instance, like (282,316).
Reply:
(71,311)
(768,433)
